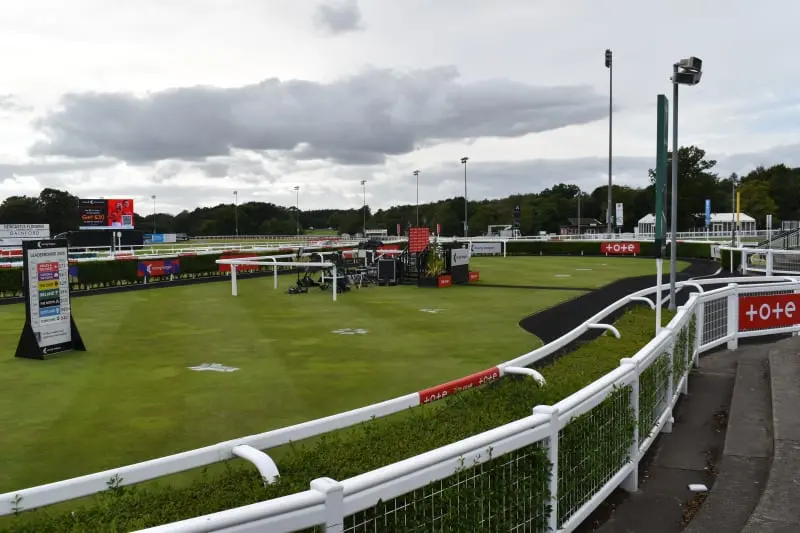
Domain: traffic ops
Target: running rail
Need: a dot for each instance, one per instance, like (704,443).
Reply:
(69,489)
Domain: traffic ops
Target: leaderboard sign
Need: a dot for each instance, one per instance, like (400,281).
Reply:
(100,213)
(49,328)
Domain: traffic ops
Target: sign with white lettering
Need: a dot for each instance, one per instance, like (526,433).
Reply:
(620,248)
(768,312)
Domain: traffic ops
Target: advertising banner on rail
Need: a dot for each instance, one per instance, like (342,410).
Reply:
(16,234)
(768,312)
(158,267)
(239,268)
(486,248)
(101,213)
(619,248)
(49,328)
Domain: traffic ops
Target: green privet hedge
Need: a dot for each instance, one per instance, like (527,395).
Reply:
(646,249)
(596,436)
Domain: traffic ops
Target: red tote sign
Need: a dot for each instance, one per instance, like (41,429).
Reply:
(474,276)
(448,389)
(766,312)
(620,248)
(445,281)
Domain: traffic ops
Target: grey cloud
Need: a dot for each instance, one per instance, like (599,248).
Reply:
(249,171)
(358,119)
(337,17)
(10,103)
(37,168)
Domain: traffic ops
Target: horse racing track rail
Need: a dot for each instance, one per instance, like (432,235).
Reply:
(547,471)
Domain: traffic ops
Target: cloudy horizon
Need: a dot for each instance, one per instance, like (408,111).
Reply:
(191,101)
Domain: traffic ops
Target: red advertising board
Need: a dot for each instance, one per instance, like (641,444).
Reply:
(764,312)
(619,248)
(398,230)
(438,229)
(474,276)
(452,387)
(418,239)
(445,281)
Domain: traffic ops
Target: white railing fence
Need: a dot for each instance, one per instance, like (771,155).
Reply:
(547,471)
(767,260)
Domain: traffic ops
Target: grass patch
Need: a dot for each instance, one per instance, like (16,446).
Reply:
(374,444)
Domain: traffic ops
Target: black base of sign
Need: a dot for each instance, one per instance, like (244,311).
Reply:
(28,348)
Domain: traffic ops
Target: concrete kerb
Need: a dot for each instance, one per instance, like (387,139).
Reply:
(778,510)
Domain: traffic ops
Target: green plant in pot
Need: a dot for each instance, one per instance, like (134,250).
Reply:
(434,264)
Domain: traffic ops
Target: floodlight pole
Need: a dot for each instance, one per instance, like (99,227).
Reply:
(466,223)
(579,214)
(416,173)
(297,208)
(673,223)
(364,188)
(154,213)
(610,67)
(236,211)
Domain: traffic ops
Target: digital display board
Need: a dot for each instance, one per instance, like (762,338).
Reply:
(100,213)
(49,328)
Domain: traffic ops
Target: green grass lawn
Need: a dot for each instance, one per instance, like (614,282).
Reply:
(585,272)
(131,397)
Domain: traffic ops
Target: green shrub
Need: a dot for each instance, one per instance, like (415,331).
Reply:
(377,443)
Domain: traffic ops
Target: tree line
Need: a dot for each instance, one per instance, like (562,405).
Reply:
(774,190)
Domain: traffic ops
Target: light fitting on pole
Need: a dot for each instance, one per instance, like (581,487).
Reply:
(688,71)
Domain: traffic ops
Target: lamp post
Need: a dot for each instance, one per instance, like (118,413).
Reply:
(236,211)
(685,72)
(297,207)
(609,229)
(416,173)
(364,189)
(466,220)
(579,214)
(154,213)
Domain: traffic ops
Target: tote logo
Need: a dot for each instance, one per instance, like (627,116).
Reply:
(620,248)
(766,312)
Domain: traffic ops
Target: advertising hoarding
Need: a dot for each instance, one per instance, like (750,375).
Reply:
(486,248)
(15,234)
(101,213)
(620,248)
(769,311)
(49,327)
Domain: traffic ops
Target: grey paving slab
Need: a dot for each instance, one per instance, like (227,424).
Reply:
(784,361)
(782,492)
(749,432)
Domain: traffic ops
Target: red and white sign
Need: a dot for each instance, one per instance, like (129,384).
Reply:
(445,281)
(474,276)
(620,248)
(398,230)
(765,312)
(438,229)
(450,388)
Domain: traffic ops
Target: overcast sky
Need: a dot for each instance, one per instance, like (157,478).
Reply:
(190,100)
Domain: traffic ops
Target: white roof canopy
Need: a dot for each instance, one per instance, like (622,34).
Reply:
(715,217)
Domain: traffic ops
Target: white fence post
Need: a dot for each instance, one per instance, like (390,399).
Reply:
(631,482)
(733,317)
(687,352)
(769,262)
(334,503)
(744,261)
(275,277)
(699,330)
(667,427)
(234,287)
(552,456)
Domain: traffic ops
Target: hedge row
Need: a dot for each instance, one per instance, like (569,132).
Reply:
(123,272)
(593,446)
(689,250)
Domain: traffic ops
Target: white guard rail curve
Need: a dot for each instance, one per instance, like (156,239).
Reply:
(329,502)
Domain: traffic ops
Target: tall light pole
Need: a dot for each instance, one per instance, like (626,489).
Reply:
(466,220)
(685,72)
(610,68)
(416,173)
(579,213)
(236,211)
(297,207)
(364,189)
(154,213)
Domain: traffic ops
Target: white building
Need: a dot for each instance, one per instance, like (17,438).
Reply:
(720,223)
